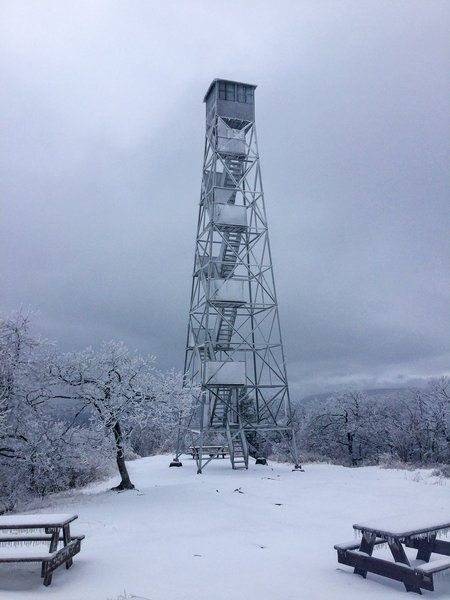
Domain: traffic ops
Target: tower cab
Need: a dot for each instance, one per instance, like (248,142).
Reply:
(230,100)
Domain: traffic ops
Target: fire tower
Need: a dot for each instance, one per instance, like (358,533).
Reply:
(234,353)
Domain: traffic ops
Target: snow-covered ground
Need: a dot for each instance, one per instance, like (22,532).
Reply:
(265,534)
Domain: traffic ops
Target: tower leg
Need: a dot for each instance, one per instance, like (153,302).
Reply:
(297,465)
(176,460)
(199,455)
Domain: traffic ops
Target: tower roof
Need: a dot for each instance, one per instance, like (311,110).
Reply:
(214,81)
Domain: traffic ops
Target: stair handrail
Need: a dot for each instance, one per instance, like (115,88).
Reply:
(244,443)
(230,444)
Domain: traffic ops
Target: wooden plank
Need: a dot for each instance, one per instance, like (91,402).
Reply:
(34,538)
(62,556)
(440,564)
(366,546)
(36,521)
(27,538)
(347,546)
(67,541)
(402,526)
(438,546)
(398,552)
(425,548)
(355,545)
(49,560)
(55,538)
(397,571)
(21,554)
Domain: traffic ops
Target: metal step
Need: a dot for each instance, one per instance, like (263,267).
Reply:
(229,252)
(225,327)
(233,173)
(238,448)
(204,352)
(221,407)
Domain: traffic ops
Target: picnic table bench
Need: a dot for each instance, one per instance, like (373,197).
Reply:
(213,451)
(23,537)
(398,533)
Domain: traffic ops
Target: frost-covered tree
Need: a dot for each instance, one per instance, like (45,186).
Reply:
(438,396)
(122,390)
(20,384)
(112,384)
(168,404)
(418,423)
(48,445)
(343,428)
(412,425)
(40,451)
(23,385)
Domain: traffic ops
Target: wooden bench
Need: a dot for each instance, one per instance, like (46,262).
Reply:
(396,533)
(441,564)
(18,531)
(354,545)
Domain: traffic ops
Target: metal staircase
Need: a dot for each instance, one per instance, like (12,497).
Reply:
(233,173)
(229,251)
(225,325)
(220,410)
(204,351)
(238,446)
(220,337)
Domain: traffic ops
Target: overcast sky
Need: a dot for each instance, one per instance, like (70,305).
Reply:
(102,133)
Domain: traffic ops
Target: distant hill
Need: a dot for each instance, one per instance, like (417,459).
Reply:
(66,410)
(373,393)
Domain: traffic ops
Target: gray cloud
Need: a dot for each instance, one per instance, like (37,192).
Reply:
(102,140)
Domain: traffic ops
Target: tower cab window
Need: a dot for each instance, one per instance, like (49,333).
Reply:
(227,91)
(244,94)
(235,92)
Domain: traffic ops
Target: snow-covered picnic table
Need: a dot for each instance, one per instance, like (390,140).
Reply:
(397,533)
(213,451)
(23,539)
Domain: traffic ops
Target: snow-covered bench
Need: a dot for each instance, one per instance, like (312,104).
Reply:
(23,537)
(396,533)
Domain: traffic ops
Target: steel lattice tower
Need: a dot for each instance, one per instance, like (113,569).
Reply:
(234,352)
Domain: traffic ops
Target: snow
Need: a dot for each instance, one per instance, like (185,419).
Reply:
(402,525)
(434,565)
(31,521)
(25,553)
(266,533)
(230,214)
(230,371)
(228,290)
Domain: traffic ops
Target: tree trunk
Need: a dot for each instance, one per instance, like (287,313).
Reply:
(350,438)
(125,483)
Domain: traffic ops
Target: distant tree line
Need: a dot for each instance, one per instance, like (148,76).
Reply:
(68,419)
(352,428)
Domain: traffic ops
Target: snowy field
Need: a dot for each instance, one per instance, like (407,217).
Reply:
(262,534)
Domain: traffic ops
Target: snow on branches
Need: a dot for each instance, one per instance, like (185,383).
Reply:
(63,417)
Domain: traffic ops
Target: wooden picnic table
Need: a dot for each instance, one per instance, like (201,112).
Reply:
(213,451)
(19,534)
(397,533)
